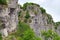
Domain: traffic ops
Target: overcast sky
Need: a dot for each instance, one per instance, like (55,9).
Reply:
(52,7)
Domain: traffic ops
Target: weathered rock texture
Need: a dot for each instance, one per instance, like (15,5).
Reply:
(9,17)
(39,20)
(57,27)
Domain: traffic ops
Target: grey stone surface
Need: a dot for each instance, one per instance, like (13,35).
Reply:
(9,16)
(39,20)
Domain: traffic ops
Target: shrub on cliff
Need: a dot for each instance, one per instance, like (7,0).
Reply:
(42,10)
(27,15)
(26,4)
(57,24)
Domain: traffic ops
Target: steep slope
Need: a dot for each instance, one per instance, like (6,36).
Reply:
(39,19)
(33,23)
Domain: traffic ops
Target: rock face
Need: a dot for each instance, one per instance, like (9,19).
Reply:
(57,27)
(41,21)
(9,17)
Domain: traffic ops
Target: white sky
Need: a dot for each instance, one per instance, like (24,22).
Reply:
(52,7)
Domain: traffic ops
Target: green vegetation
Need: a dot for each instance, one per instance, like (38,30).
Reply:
(42,10)
(26,4)
(24,32)
(0,36)
(50,34)
(19,14)
(3,2)
(20,6)
(29,35)
(22,27)
(27,15)
(50,19)
(57,24)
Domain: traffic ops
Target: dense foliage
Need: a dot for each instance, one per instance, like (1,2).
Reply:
(50,34)
(42,10)
(3,2)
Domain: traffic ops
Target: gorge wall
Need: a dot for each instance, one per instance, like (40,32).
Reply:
(38,19)
(8,16)
(31,13)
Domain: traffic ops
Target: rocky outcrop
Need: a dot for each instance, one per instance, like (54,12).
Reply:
(9,17)
(57,28)
(41,21)
(38,19)
(31,13)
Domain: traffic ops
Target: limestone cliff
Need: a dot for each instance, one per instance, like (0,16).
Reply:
(30,13)
(8,16)
(39,20)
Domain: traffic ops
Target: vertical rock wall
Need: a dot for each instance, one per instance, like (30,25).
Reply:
(39,20)
(9,17)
